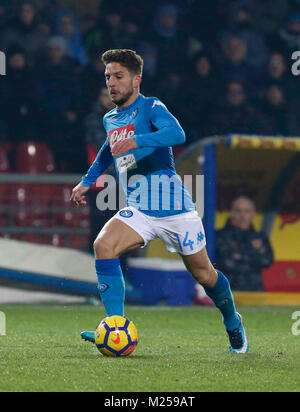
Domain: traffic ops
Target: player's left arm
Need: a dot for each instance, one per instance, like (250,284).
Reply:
(168,131)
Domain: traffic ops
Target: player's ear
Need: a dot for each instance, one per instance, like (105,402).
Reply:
(137,80)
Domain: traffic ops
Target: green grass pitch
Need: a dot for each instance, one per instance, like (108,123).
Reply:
(180,349)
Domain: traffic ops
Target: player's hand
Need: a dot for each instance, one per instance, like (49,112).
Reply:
(123,146)
(78,194)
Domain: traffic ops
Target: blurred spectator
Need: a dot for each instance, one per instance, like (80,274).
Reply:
(274,106)
(294,118)
(25,32)
(241,251)
(235,115)
(67,26)
(16,91)
(95,133)
(131,34)
(92,79)
(149,53)
(107,32)
(172,92)
(290,33)
(87,10)
(267,15)
(203,20)
(241,25)
(170,41)
(277,72)
(235,66)
(4,13)
(132,10)
(58,100)
(202,93)
(203,80)
(46,9)
(58,83)
(45,27)
(173,36)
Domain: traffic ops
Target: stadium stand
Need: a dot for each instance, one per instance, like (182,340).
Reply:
(55,92)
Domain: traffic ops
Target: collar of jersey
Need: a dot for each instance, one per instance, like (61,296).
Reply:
(140,96)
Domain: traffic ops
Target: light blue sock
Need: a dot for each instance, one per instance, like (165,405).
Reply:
(222,297)
(111,285)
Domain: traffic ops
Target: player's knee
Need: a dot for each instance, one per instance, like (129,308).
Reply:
(206,277)
(104,249)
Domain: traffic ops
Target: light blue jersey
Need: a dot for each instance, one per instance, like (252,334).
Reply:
(148,173)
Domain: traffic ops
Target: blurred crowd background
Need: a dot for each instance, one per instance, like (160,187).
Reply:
(220,66)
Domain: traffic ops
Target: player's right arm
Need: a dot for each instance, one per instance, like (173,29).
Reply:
(102,162)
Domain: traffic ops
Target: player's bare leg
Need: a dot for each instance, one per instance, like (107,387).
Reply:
(218,289)
(114,239)
(201,268)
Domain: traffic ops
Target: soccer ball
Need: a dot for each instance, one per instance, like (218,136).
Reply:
(116,336)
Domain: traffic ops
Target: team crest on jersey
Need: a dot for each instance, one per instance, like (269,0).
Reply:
(122,133)
(126,213)
(134,114)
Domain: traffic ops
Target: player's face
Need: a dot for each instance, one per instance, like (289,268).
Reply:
(121,84)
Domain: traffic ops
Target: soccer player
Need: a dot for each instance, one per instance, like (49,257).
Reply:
(140,133)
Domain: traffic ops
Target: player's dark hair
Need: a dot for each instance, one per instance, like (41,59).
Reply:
(127,58)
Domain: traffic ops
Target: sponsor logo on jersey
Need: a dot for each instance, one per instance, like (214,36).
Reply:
(126,213)
(126,163)
(122,133)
